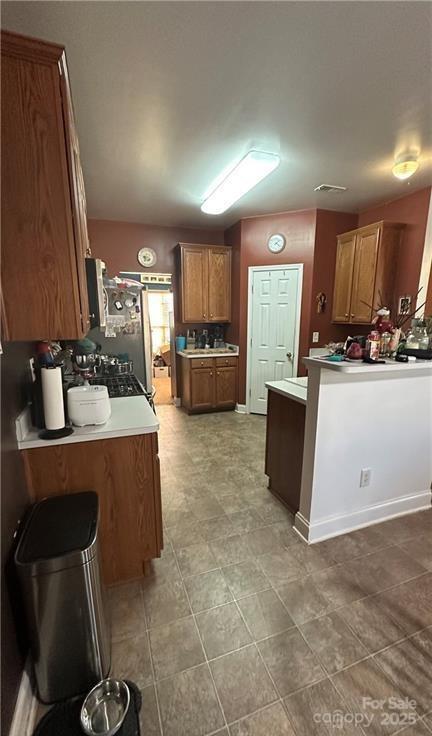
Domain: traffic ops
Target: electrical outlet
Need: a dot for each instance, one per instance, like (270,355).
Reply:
(365,477)
(315,336)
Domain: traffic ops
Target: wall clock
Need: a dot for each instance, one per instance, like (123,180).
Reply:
(276,243)
(147,257)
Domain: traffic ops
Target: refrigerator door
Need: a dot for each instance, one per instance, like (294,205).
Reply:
(147,342)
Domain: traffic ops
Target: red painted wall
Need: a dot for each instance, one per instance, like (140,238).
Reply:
(250,239)
(329,225)
(412,210)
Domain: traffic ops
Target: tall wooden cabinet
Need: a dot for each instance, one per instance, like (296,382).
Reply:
(205,274)
(366,263)
(44,226)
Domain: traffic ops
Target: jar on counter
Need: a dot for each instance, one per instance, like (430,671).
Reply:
(385,344)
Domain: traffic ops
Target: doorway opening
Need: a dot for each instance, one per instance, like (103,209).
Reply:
(161,308)
(274,302)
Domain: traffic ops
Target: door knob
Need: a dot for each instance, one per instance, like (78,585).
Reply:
(289,356)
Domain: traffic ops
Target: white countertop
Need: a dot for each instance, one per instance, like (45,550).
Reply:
(292,388)
(130,415)
(209,353)
(392,366)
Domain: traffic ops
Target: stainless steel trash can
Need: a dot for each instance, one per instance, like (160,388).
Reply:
(58,567)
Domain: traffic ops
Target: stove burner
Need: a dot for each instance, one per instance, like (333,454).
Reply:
(119,386)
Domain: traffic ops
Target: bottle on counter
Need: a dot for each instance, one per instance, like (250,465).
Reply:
(373,345)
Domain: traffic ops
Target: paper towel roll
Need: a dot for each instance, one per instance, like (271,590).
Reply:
(52,393)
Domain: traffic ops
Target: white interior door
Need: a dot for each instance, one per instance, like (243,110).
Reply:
(273,330)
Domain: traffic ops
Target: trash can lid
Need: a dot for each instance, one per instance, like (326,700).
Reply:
(59,526)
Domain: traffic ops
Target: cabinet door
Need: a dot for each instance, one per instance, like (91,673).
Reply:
(202,388)
(124,472)
(226,386)
(365,262)
(194,277)
(39,263)
(219,284)
(343,278)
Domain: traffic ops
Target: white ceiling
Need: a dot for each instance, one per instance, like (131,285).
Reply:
(168,94)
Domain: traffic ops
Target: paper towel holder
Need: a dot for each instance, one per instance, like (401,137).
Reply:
(55,434)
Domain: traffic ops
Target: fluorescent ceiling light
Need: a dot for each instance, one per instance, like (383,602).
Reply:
(254,167)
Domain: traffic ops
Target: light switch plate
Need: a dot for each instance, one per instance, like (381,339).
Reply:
(315,336)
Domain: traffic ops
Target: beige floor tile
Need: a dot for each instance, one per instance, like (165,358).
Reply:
(206,507)
(232,503)
(265,614)
(290,661)
(333,642)
(130,660)
(338,585)
(127,611)
(312,558)
(149,717)
(246,520)
(188,704)
(356,544)
(242,683)
(311,709)
(207,590)
(185,534)
(364,683)
(230,550)
(272,721)
(218,526)
(418,729)
(304,599)
(406,527)
(222,630)
(245,578)
(383,569)
(280,567)
(409,604)
(420,549)
(164,602)
(370,622)
(196,558)
(409,665)
(175,647)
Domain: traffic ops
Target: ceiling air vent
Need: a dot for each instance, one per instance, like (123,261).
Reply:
(329,188)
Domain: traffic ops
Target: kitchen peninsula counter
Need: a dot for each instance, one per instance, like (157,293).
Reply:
(363,417)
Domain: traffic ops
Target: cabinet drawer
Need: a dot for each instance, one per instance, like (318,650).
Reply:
(201,362)
(228,361)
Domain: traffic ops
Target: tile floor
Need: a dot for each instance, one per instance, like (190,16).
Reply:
(244,630)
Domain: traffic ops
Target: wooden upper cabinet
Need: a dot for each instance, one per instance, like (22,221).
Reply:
(194,280)
(343,277)
(219,260)
(44,227)
(363,282)
(366,264)
(205,273)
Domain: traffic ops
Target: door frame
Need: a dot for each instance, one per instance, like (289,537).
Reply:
(251,270)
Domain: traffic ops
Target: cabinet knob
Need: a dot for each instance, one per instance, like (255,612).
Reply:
(218,373)
(346,314)
(202,362)
(211,315)
(352,315)
(211,373)
(204,316)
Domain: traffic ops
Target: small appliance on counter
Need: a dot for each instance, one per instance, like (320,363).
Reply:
(88,405)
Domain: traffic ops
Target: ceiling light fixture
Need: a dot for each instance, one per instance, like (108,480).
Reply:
(405,167)
(252,169)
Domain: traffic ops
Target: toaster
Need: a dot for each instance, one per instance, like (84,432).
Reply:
(88,405)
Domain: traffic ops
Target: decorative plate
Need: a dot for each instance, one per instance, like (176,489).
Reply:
(147,257)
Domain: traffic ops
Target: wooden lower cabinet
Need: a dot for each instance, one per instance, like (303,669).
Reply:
(209,384)
(284,448)
(124,472)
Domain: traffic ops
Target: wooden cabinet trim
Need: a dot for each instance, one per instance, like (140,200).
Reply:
(32,49)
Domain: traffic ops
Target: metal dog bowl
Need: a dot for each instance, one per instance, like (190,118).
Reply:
(105,708)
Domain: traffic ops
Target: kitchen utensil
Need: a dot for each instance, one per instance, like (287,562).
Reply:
(105,708)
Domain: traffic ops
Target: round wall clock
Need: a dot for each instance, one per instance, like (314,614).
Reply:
(276,243)
(146,257)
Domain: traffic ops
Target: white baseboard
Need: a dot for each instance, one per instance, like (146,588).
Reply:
(177,401)
(332,527)
(24,718)
(241,409)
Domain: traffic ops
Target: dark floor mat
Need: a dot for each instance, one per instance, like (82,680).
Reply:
(64,718)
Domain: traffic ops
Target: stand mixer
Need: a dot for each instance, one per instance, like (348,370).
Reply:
(84,359)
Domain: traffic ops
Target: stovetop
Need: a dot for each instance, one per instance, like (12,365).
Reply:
(119,386)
